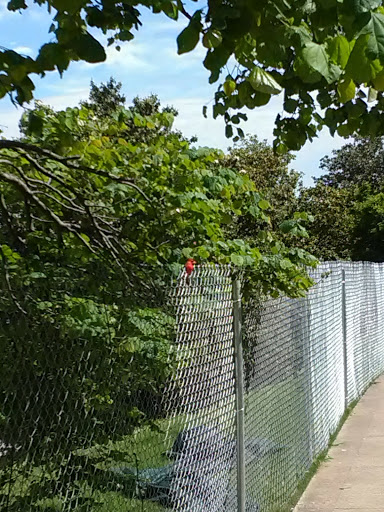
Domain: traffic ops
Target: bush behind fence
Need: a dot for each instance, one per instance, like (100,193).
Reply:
(94,417)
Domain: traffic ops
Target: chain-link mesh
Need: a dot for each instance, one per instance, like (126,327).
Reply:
(107,408)
(364,283)
(203,388)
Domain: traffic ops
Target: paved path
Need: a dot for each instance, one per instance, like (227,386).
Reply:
(353,480)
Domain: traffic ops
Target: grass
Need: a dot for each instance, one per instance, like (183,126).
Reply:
(278,412)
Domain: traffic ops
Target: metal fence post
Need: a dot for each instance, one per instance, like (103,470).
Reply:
(344,317)
(239,378)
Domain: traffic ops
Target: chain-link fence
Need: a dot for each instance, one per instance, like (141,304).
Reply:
(141,409)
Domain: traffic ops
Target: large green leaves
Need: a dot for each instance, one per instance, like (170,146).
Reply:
(189,37)
(339,50)
(346,90)
(52,56)
(88,48)
(299,47)
(375,29)
(317,58)
(262,81)
(359,67)
(362,6)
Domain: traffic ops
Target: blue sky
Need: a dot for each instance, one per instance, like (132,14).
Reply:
(148,64)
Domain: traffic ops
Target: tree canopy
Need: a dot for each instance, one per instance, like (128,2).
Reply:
(360,163)
(347,203)
(270,172)
(322,54)
(98,215)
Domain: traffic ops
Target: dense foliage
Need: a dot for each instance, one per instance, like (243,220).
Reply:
(270,173)
(331,233)
(319,53)
(98,217)
(360,163)
(347,203)
(369,229)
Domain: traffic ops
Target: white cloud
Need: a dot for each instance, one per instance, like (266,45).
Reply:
(9,122)
(24,50)
(10,116)
(3,9)
(211,132)
(133,56)
(164,25)
(71,99)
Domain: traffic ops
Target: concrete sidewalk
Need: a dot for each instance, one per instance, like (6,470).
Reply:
(353,479)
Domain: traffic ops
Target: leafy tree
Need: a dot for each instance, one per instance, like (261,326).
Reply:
(358,163)
(270,173)
(346,203)
(105,98)
(104,101)
(93,230)
(319,53)
(369,229)
(331,234)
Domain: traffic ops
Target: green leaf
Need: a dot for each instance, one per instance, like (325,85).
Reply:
(260,98)
(203,253)
(229,87)
(285,263)
(15,5)
(378,81)
(189,37)
(263,204)
(42,305)
(171,10)
(236,259)
(37,275)
(228,131)
(357,109)
(88,48)
(35,124)
(53,55)
(375,29)
(372,94)
(359,67)
(212,39)
(360,6)
(226,218)
(288,226)
(240,133)
(346,89)
(263,81)
(339,50)
(316,57)
(290,105)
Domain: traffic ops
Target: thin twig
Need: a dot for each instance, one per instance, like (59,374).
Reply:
(9,144)
(9,221)
(181,8)
(26,190)
(8,282)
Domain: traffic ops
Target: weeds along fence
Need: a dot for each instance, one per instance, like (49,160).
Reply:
(226,414)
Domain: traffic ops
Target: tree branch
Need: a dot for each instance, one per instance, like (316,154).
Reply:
(26,190)
(9,222)
(10,144)
(181,8)
(8,282)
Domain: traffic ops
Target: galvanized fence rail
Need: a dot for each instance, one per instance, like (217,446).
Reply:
(256,390)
